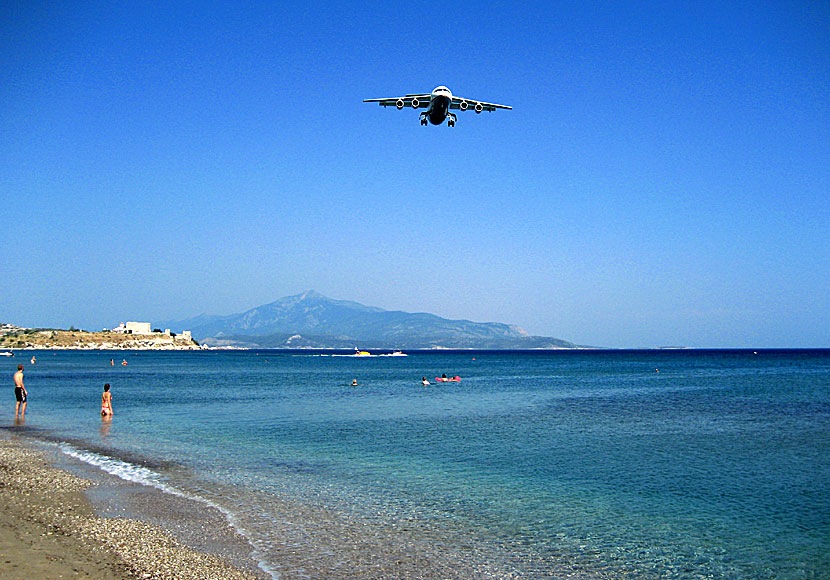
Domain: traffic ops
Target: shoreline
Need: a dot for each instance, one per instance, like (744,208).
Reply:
(109,528)
(61,517)
(49,527)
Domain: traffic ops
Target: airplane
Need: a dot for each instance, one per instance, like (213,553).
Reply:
(437,105)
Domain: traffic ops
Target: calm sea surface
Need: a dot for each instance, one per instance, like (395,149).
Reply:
(621,464)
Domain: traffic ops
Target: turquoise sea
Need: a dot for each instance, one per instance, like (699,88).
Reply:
(567,464)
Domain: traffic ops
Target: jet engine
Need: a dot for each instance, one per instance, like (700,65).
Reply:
(399,104)
(463,105)
(479,108)
(415,103)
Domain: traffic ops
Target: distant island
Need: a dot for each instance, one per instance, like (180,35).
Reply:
(305,321)
(14,337)
(311,320)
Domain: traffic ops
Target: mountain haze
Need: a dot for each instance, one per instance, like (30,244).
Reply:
(311,320)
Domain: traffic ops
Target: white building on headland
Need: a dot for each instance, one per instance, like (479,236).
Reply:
(139,328)
(133,328)
(145,328)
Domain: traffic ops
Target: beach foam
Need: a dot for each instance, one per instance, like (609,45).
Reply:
(144,476)
(50,531)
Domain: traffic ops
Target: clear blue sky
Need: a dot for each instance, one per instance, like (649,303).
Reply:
(662,179)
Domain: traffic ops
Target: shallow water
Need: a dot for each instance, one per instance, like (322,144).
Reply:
(620,464)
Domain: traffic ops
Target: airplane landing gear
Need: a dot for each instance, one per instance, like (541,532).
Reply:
(451,120)
(423,118)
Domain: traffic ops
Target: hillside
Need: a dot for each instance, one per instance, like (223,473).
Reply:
(12,338)
(311,320)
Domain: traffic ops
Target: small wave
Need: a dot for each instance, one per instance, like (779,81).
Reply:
(144,476)
(122,469)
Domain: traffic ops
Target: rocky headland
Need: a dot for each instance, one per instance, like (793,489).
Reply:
(14,338)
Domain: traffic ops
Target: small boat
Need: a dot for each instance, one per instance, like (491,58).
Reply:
(357,354)
(395,353)
(6,353)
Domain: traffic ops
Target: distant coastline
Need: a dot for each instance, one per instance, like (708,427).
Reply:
(17,338)
(311,320)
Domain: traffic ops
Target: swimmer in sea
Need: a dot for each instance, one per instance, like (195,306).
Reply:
(106,402)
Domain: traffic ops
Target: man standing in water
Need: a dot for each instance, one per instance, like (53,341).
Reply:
(19,393)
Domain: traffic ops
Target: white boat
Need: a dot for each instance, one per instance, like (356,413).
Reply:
(396,353)
(6,353)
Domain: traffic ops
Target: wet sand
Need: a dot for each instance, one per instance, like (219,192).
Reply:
(49,529)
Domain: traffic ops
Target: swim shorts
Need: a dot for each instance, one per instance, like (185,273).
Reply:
(19,395)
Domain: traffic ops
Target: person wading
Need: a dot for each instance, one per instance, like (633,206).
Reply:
(19,393)
(106,401)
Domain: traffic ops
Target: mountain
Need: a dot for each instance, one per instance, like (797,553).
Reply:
(311,320)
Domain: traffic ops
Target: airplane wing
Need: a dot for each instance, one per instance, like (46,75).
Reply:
(472,104)
(404,101)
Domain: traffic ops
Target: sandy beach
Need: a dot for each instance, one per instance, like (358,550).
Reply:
(49,530)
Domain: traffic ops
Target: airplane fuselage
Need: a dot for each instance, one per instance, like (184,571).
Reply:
(439,105)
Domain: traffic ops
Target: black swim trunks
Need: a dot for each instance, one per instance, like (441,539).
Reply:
(19,395)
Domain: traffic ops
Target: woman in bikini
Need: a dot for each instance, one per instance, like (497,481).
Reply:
(106,401)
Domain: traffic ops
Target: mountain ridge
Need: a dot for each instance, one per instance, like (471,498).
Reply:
(312,320)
